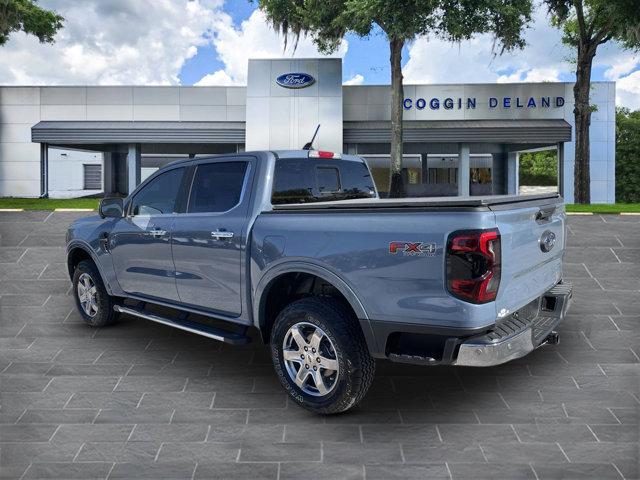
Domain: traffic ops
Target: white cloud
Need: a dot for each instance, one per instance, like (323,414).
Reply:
(219,77)
(114,42)
(253,39)
(621,65)
(436,61)
(357,79)
(531,75)
(628,91)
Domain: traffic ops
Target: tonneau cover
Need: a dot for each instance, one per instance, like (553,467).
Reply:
(423,202)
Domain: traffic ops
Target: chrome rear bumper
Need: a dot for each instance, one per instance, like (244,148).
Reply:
(515,337)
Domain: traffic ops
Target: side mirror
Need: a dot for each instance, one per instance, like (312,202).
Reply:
(111,208)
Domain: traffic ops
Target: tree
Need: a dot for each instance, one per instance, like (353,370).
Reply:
(587,24)
(28,17)
(327,21)
(627,156)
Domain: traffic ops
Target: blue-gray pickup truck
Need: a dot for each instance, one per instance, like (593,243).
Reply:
(297,245)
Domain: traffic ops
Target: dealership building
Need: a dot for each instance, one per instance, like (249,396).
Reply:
(459,139)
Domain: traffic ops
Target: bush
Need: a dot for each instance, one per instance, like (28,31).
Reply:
(627,156)
(539,168)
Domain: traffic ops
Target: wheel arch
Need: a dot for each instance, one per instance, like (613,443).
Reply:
(274,278)
(76,253)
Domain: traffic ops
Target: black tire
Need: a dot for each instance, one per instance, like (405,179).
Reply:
(105,314)
(356,368)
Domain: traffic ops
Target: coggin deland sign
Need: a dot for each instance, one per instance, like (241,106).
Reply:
(469,103)
(302,80)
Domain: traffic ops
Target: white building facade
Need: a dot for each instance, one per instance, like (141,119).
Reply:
(459,139)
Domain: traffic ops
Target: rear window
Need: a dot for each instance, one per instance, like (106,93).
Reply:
(303,180)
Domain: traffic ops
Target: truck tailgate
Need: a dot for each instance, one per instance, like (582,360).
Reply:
(533,237)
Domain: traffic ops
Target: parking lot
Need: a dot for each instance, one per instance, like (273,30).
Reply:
(140,400)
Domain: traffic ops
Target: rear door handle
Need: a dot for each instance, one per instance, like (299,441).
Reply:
(220,234)
(156,232)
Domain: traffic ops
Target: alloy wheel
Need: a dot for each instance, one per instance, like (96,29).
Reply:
(88,294)
(311,359)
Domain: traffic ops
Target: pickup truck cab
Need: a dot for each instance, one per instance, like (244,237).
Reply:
(297,245)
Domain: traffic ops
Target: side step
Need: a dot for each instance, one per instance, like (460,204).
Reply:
(219,334)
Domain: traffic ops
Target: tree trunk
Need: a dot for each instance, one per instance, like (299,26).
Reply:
(396,185)
(582,114)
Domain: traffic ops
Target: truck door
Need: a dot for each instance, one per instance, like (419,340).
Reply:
(208,239)
(140,243)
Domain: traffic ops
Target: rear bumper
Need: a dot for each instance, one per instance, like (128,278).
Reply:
(516,337)
(513,337)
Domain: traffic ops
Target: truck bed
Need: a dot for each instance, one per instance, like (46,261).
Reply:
(480,202)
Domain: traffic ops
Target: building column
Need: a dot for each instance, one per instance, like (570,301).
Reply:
(463,169)
(134,167)
(513,162)
(44,170)
(108,174)
(560,155)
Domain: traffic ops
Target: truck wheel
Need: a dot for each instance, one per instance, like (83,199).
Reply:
(93,302)
(320,355)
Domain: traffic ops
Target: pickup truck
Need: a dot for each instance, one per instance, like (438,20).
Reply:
(298,246)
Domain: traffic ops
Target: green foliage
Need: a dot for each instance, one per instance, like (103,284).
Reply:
(28,17)
(327,21)
(597,21)
(539,168)
(627,156)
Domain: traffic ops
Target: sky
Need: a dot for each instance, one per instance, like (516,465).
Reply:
(208,42)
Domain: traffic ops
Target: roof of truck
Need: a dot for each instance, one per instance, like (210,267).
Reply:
(305,154)
(278,153)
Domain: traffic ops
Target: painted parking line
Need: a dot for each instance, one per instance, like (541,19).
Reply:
(74,210)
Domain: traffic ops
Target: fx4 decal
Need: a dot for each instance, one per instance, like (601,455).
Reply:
(427,249)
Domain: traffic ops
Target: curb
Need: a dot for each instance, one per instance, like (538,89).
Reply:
(11,209)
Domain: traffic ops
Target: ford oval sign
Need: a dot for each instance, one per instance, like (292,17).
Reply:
(295,80)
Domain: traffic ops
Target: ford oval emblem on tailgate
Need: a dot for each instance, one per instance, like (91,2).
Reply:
(295,80)
(547,241)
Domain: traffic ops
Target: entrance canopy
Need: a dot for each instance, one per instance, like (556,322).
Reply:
(79,133)
(456,131)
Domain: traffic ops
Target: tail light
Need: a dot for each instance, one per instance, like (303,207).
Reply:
(473,265)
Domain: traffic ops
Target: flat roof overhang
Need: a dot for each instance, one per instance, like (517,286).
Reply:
(103,132)
(435,131)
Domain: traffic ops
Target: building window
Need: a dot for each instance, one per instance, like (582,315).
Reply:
(92,177)
(447,176)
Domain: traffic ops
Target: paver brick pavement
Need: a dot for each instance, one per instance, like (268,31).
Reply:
(142,400)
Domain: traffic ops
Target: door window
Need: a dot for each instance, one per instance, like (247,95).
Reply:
(158,196)
(217,187)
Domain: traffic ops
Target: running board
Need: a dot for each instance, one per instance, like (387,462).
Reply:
(219,334)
